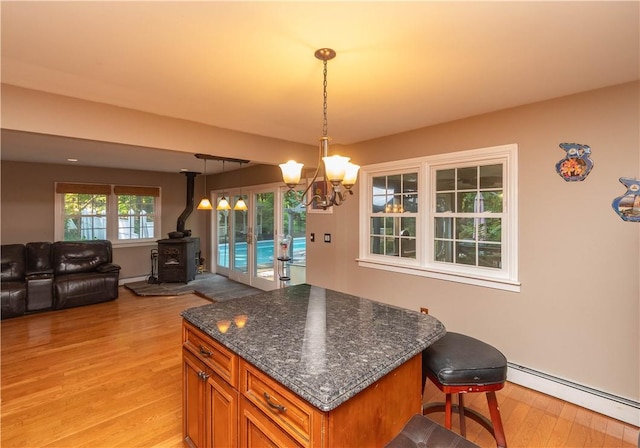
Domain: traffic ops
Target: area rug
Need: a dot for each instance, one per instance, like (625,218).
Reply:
(211,286)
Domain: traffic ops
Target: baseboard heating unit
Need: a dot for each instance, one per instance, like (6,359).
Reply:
(613,406)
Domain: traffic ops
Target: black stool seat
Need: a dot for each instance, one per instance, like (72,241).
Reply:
(457,359)
(423,432)
(459,364)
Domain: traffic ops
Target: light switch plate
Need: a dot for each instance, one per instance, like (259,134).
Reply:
(327,237)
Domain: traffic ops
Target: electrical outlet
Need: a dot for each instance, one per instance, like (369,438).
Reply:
(312,237)
(424,310)
(327,237)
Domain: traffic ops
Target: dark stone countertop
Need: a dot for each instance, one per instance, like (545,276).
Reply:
(323,345)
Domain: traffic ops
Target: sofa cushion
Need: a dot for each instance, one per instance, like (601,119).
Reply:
(39,258)
(13,297)
(70,257)
(13,262)
(84,289)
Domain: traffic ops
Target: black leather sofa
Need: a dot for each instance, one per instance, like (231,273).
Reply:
(41,276)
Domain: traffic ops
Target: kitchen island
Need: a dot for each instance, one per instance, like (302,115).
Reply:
(302,366)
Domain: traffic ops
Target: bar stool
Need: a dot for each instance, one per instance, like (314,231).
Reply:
(459,364)
(422,432)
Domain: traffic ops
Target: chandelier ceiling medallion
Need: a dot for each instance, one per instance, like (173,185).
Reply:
(336,171)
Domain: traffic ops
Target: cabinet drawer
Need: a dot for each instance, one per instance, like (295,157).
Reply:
(297,417)
(217,357)
(256,429)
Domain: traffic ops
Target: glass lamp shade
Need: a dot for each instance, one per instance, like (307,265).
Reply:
(291,172)
(223,204)
(240,205)
(335,167)
(205,204)
(350,175)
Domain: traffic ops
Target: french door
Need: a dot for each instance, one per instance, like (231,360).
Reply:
(248,243)
(246,239)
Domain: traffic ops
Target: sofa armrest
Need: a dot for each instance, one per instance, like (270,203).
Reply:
(108,267)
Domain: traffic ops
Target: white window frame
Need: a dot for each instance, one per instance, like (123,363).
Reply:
(505,278)
(112,220)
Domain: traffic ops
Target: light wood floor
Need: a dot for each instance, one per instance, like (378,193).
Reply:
(109,375)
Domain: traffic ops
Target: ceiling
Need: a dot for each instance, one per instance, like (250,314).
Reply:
(250,66)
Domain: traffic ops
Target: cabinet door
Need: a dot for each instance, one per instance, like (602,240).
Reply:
(193,405)
(258,431)
(221,413)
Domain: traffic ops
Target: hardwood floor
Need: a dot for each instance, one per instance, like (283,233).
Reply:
(109,375)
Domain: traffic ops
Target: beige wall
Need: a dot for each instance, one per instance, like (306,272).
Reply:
(577,314)
(46,113)
(27,205)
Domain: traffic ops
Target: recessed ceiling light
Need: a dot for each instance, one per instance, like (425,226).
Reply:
(184,169)
(72,160)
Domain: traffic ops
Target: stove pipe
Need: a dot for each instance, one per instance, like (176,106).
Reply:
(191,175)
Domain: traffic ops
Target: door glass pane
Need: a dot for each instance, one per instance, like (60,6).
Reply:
(223,238)
(264,231)
(240,246)
(294,225)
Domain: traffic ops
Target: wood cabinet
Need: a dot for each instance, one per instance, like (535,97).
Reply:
(273,404)
(228,402)
(210,397)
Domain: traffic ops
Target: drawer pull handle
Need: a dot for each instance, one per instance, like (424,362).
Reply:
(205,352)
(203,376)
(279,407)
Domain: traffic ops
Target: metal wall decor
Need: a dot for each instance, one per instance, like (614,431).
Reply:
(627,206)
(576,164)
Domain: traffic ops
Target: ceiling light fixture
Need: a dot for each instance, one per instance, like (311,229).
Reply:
(335,170)
(223,203)
(205,203)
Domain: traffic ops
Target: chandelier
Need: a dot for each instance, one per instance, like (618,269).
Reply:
(223,203)
(336,171)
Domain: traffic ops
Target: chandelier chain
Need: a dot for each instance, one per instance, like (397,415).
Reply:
(324,102)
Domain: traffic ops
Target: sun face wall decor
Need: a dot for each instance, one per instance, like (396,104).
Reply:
(576,164)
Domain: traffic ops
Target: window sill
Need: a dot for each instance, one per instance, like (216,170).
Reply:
(138,243)
(505,285)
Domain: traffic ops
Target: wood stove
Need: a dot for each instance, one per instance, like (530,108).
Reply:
(178,259)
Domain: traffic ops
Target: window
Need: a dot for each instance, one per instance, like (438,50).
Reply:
(450,216)
(468,215)
(393,215)
(136,212)
(122,214)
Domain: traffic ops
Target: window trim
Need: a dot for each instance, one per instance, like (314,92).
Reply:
(424,266)
(111,191)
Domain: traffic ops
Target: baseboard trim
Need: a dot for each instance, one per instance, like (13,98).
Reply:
(123,281)
(620,408)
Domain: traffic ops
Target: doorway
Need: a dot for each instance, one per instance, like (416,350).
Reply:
(247,243)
